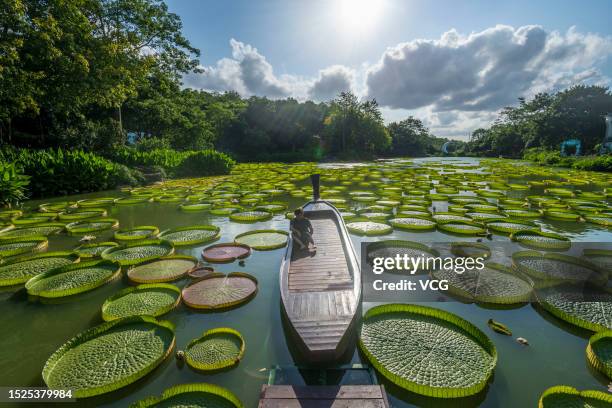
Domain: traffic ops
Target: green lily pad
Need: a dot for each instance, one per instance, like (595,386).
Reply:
(392,248)
(250,216)
(94,249)
(599,352)
(22,269)
(150,299)
(38,230)
(92,225)
(561,396)
(192,395)
(109,356)
(164,269)
(368,228)
(412,223)
(137,252)
(216,349)
(586,307)
(541,240)
(72,279)
(23,245)
(194,235)
(557,267)
(136,233)
(463,228)
(512,226)
(263,239)
(427,351)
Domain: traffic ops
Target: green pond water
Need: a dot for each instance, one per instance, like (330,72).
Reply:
(32,331)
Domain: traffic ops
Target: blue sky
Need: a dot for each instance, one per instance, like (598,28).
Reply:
(452,64)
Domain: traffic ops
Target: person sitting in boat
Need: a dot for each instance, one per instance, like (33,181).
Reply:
(301,228)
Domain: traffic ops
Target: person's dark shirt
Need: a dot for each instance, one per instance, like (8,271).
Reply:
(302,225)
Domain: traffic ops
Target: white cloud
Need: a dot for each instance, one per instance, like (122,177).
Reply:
(483,71)
(455,83)
(331,82)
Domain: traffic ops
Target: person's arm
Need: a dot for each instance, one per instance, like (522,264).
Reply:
(310,229)
(294,230)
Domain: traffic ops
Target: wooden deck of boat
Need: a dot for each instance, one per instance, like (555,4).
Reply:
(323,270)
(290,396)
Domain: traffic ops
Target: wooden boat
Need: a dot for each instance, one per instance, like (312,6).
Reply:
(320,290)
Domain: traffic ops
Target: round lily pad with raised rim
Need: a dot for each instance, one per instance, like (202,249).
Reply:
(561,215)
(94,249)
(109,356)
(494,284)
(81,214)
(448,356)
(73,279)
(412,223)
(512,226)
(136,233)
(153,299)
(599,352)
(32,219)
(250,216)
(561,396)
(22,245)
(138,252)
(600,257)
(368,228)
(462,227)
(470,250)
(164,269)
(216,349)
(225,252)
(192,395)
(599,220)
(193,207)
(227,210)
(541,240)
(392,248)
(557,267)
(193,235)
(219,291)
(38,230)
(201,272)
(92,225)
(263,240)
(132,200)
(22,269)
(580,305)
(96,202)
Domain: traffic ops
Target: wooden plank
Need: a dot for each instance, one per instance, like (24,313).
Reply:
(346,396)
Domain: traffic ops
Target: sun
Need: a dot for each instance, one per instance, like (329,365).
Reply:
(358,15)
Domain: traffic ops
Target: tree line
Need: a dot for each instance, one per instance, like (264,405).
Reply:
(98,75)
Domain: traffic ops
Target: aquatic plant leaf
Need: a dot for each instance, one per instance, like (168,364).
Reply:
(22,269)
(216,349)
(219,291)
(138,252)
(164,269)
(193,235)
(263,239)
(149,299)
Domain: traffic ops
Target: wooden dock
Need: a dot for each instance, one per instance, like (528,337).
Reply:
(323,396)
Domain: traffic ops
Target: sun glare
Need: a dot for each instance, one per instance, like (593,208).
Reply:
(358,15)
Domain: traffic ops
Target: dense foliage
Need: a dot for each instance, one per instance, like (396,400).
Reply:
(550,158)
(59,172)
(12,184)
(545,122)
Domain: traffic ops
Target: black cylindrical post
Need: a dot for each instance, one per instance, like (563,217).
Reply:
(314,178)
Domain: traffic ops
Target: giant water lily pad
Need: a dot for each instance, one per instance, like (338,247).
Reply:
(600,257)
(216,349)
(149,299)
(192,395)
(562,396)
(138,252)
(43,229)
(72,279)
(412,223)
(164,269)
(109,356)
(541,240)
(136,233)
(463,228)
(94,249)
(470,250)
(551,266)
(493,283)
(92,225)
(427,351)
(363,227)
(218,291)
(197,234)
(225,252)
(583,306)
(22,245)
(22,269)
(250,216)
(512,226)
(599,352)
(263,239)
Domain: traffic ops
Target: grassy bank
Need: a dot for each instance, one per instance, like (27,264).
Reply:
(549,158)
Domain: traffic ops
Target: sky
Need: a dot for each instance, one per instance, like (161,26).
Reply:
(452,64)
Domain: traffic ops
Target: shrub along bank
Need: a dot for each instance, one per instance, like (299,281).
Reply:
(550,158)
(54,172)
